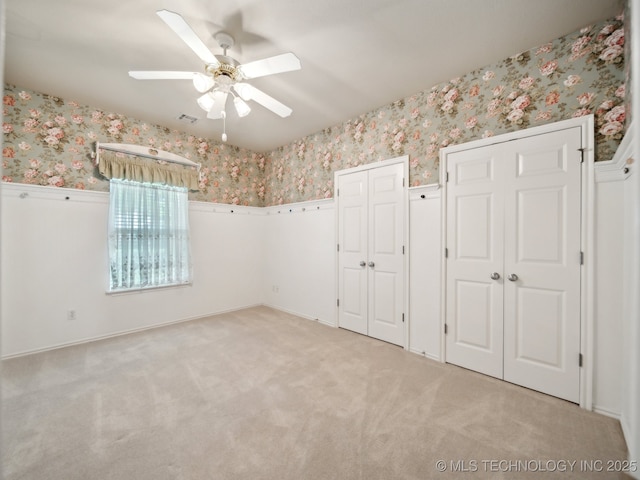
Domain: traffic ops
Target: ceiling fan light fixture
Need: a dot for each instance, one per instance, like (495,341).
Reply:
(241,107)
(206,102)
(202,82)
(244,90)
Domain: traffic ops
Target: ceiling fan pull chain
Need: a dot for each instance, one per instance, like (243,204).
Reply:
(224,126)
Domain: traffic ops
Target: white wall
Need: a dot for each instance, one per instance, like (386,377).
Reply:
(54,254)
(617,277)
(300,262)
(631,354)
(608,286)
(630,371)
(424,271)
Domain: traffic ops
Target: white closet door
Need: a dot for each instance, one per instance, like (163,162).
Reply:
(475,242)
(352,257)
(385,260)
(542,248)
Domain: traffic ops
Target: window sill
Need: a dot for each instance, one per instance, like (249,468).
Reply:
(129,291)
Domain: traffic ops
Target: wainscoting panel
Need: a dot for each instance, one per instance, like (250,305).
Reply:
(299,259)
(424,271)
(613,217)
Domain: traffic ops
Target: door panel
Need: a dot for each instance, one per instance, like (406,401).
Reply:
(474,302)
(479,169)
(384,314)
(546,161)
(352,238)
(540,228)
(474,227)
(386,234)
(354,290)
(384,219)
(540,327)
(473,318)
(542,247)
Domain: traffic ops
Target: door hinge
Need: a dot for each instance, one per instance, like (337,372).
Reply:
(446,253)
(581,258)
(403,318)
(447,177)
(337,192)
(338,245)
(403,181)
(446,329)
(581,150)
(403,249)
(579,359)
(338,302)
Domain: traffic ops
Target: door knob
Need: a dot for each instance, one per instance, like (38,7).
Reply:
(362,263)
(513,277)
(495,276)
(371,264)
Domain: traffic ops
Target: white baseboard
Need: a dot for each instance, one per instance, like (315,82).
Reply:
(123,332)
(430,356)
(327,323)
(158,325)
(606,412)
(302,315)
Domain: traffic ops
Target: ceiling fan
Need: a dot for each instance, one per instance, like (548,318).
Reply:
(223,75)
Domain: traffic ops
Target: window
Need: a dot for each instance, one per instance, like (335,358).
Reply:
(148,236)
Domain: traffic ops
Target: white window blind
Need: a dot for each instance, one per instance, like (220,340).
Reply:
(148,236)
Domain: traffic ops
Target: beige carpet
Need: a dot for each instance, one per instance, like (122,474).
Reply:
(261,394)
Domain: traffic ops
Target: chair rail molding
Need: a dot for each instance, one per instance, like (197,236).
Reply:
(620,166)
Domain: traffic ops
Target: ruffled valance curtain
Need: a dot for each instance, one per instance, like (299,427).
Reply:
(140,169)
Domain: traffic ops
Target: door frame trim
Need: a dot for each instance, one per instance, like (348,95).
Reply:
(404,160)
(587,234)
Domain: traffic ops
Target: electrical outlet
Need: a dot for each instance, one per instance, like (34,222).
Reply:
(275,289)
(71,315)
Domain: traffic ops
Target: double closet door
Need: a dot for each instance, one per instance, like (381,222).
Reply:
(371,215)
(514,261)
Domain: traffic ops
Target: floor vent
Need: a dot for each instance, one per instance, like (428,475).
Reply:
(187,118)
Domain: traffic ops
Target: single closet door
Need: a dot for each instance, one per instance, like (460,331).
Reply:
(353,250)
(475,244)
(370,256)
(513,266)
(542,263)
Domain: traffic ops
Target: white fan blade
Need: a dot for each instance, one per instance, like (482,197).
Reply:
(188,36)
(268,66)
(249,92)
(160,75)
(218,105)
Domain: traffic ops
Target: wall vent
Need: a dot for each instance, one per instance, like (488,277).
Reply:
(187,118)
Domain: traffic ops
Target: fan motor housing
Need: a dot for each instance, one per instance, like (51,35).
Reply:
(228,67)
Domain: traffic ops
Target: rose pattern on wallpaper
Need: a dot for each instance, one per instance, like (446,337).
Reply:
(629,31)
(579,74)
(48,141)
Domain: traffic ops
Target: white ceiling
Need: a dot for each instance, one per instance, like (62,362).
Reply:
(356,55)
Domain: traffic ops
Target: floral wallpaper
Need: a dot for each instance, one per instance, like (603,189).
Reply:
(579,74)
(48,141)
(629,33)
